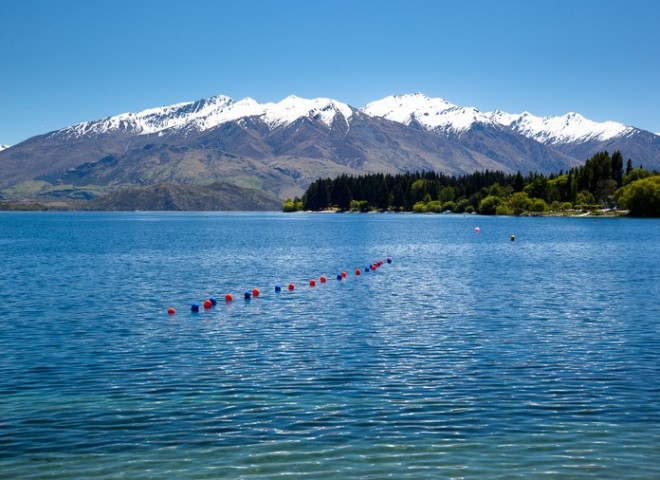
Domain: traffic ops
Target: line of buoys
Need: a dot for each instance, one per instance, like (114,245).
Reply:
(211,302)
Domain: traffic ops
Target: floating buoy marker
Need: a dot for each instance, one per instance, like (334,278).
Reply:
(228,297)
(339,277)
(278,289)
(291,287)
(322,279)
(389,260)
(477,229)
(255,292)
(207,304)
(194,308)
(247,295)
(312,283)
(343,274)
(513,237)
(358,272)
(171,311)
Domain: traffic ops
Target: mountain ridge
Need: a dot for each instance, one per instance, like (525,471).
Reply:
(280,148)
(432,113)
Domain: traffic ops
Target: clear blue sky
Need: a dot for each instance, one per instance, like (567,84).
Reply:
(68,61)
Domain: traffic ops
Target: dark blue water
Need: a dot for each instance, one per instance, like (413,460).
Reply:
(470,356)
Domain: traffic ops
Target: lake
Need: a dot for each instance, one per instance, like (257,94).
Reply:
(468,356)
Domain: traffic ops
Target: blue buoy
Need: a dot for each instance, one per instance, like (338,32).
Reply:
(389,260)
(214,302)
(194,307)
(247,295)
(339,277)
(278,288)
(366,269)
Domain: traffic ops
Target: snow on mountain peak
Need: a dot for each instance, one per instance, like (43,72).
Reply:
(292,108)
(208,113)
(4,147)
(431,113)
(571,127)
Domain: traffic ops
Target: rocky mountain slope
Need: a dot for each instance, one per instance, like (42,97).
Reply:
(279,148)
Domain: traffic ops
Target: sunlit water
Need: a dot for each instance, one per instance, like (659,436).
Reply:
(470,356)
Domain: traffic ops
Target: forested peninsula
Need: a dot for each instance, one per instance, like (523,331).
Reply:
(602,183)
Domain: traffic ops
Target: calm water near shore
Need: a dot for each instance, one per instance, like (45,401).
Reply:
(469,356)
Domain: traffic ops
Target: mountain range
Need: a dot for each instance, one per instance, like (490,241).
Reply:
(273,151)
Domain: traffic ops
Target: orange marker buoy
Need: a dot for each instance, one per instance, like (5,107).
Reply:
(358,271)
(322,279)
(477,229)
(228,297)
(255,292)
(171,311)
(291,287)
(343,274)
(312,283)
(207,304)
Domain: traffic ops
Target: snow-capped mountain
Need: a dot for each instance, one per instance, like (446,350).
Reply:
(4,147)
(282,147)
(208,113)
(432,114)
(435,114)
(569,128)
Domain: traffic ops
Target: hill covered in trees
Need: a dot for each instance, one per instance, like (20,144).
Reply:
(602,182)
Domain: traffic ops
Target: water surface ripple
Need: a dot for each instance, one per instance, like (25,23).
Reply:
(470,356)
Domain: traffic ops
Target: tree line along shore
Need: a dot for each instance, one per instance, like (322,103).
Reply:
(601,185)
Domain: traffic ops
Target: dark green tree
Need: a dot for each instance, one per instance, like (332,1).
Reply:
(617,168)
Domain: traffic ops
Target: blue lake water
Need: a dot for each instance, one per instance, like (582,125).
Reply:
(469,356)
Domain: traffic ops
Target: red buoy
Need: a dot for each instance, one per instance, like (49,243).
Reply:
(255,292)
(207,304)
(228,297)
(312,283)
(171,311)
(322,279)
(291,287)
(358,271)
(343,274)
